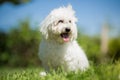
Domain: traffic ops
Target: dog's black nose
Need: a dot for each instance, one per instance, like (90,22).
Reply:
(67,29)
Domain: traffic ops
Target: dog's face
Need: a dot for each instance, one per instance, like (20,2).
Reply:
(60,25)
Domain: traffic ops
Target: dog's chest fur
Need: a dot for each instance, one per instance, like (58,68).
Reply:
(68,55)
(53,53)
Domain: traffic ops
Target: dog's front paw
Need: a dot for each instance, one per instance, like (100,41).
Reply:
(43,73)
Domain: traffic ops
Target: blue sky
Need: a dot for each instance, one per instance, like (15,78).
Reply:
(91,14)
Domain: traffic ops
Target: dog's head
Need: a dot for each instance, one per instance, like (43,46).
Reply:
(60,25)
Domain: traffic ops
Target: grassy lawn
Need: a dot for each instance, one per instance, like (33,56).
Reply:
(101,72)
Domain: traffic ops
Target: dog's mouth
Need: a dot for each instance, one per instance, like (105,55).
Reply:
(65,37)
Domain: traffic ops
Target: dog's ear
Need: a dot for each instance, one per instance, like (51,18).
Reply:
(46,25)
(44,29)
(69,6)
(44,32)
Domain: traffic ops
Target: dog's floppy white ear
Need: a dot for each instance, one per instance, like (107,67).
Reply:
(44,30)
(45,25)
(69,6)
(72,11)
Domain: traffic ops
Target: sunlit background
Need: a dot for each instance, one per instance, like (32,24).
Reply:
(98,25)
(91,14)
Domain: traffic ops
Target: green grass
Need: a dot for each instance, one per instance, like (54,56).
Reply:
(100,72)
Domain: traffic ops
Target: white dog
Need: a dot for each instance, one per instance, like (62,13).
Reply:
(58,46)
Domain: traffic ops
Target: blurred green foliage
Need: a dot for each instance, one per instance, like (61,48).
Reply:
(19,47)
(15,2)
(114,48)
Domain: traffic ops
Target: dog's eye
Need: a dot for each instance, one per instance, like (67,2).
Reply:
(60,21)
(69,21)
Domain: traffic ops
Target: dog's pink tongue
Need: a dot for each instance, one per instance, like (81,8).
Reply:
(66,39)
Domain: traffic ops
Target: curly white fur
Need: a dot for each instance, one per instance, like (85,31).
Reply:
(58,46)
